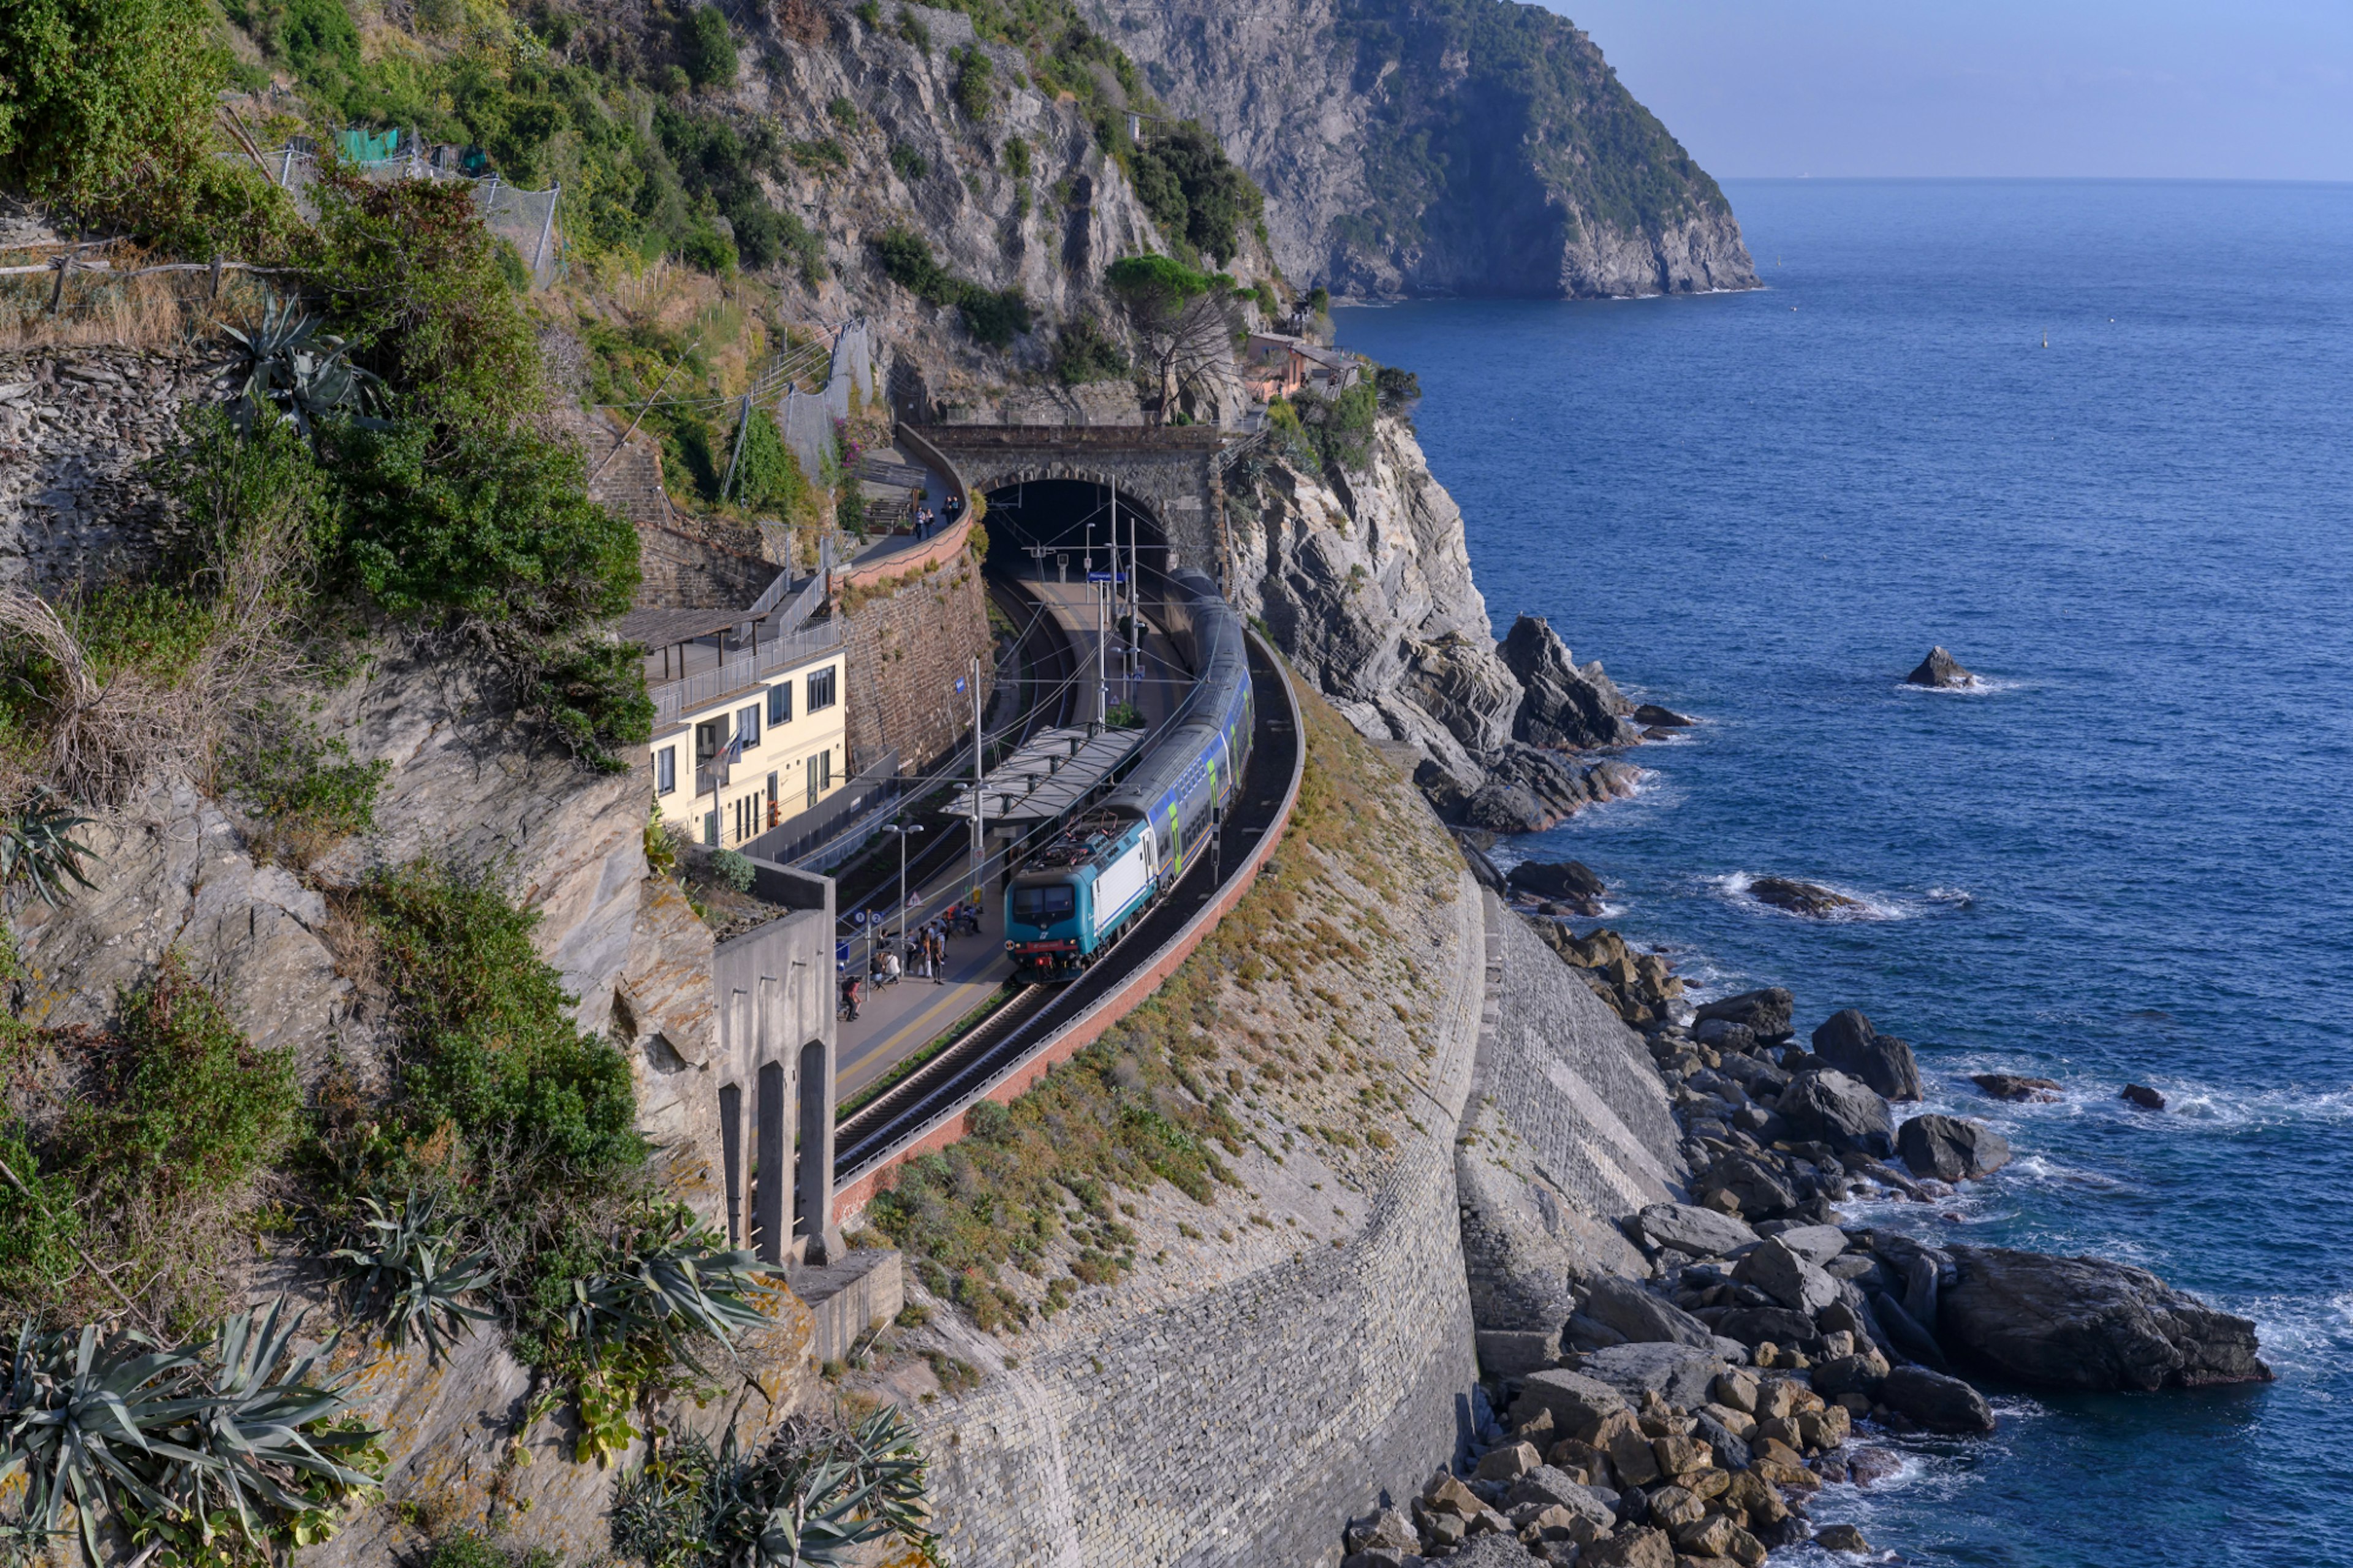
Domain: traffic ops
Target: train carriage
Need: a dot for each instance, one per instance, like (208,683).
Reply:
(1076,896)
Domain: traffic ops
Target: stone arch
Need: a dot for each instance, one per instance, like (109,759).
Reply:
(1170,474)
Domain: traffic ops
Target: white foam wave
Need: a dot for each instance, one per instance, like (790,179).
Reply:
(1734,886)
(1979,686)
(2300,1333)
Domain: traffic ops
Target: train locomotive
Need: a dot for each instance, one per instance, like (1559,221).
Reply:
(1078,894)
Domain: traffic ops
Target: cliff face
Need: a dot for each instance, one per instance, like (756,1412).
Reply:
(1366,583)
(1441,147)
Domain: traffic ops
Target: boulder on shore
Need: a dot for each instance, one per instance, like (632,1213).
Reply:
(1677,1374)
(2016,1085)
(1659,718)
(1940,1404)
(1950,1149)
(1764,1013)
(1570,882)
(1848,1043)
(2086,1322)
(1941,669)
(2140,1094)
(1702,1233)
(1811,898)
(1642,1318)
(1825,1104)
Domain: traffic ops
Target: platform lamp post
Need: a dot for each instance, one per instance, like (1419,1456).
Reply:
(903,832)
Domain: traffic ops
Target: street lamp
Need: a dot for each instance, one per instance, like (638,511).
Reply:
(903,833)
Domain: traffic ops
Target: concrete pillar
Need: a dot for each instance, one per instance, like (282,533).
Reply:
(731,1151)
(775,1164)
(813,1213)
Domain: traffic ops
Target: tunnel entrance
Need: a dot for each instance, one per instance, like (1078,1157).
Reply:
(1059,530)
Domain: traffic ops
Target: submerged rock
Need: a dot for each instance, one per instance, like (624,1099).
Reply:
(1810,898)
(1848,1043)
(2140,1094)
(2015,1086)
(1950,1149)
(1939,668)
(2086,1323)
(1659,718)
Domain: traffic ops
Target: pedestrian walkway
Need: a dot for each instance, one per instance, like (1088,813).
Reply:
(897,1020)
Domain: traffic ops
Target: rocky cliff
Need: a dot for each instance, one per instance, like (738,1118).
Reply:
(1441,147)
(1366,584)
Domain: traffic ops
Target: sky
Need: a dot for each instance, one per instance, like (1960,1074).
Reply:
(2127,88)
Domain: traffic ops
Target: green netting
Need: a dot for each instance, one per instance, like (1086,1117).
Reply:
(369,146)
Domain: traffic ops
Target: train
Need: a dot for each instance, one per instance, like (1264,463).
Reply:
(1080,892)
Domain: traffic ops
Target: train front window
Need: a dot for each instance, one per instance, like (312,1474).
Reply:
(1039,906)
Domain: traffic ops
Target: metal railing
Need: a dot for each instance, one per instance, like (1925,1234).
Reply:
(675,698)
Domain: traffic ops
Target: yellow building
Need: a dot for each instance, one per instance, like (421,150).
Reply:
(748,741)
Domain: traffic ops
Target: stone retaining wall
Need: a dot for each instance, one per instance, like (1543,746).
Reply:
(905,654)
(1244,1426)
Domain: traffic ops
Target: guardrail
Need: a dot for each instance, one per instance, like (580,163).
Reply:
(674,698)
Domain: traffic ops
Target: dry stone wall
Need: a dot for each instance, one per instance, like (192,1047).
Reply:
(77,428)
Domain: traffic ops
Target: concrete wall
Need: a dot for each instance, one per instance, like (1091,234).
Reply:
(770,1079)
(684,573)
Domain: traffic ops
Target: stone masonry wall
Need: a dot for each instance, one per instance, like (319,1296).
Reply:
(1572,1132)
(907,649)
(1241,1425)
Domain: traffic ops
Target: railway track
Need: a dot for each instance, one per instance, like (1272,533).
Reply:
(1024,1023)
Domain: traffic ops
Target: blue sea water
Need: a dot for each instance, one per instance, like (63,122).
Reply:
(2128,858)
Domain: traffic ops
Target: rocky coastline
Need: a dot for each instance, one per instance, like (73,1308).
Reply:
(1704,1415)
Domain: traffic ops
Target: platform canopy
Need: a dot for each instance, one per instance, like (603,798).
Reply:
(1051,775)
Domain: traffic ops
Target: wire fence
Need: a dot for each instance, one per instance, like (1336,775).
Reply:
(524,219)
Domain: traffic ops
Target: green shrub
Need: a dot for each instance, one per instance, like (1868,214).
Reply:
(186,1106)
(768,475)
(1083,352)
(1016,157)
(495,524)
(38,1228)
(101,99)
(907,162)
(708,45)
(994,318)
(1397,389)
(1193,192)
(736,870)
(844,113)
(974,92)
(486,1044)
(591,694)
(292,775)
(155,629)
(912,28)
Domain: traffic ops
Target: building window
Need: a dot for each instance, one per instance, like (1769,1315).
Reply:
(710,739)
(820,689)
(666,771)
(780,703)
(825,770)
(747,724)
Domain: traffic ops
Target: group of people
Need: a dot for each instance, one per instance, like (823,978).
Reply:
(928,523)
(922,952)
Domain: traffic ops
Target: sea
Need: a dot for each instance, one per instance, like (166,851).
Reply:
(2097,439)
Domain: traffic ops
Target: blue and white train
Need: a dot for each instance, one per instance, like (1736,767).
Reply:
(1078,894)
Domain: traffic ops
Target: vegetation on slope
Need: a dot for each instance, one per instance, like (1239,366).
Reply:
(1283,1012)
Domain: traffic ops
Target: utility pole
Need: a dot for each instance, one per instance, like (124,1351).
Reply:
(1102,646)
(973,884)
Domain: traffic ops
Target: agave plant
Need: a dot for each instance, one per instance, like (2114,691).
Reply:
(406,1269)
(86,1418)
(808,1499)
(37,844)
(287,368)
(676,1286)
(262,1443)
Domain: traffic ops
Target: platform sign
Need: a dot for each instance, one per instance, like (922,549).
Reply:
(959,686)
(1106,576)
